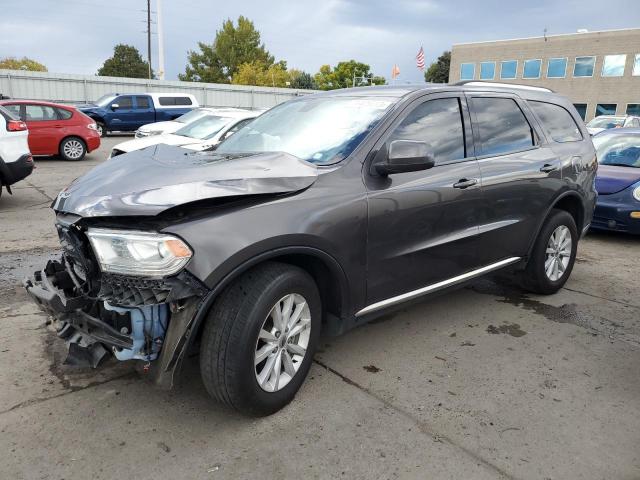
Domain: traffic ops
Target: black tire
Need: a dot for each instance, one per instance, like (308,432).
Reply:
(69,146)
(102,129)
(230,337)
(534,278)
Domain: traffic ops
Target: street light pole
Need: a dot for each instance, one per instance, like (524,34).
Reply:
(149,35)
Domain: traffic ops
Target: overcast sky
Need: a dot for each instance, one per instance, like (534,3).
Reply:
(76,36)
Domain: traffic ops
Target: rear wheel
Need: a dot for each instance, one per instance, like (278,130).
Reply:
(73,149)
(553,254)
(260,337)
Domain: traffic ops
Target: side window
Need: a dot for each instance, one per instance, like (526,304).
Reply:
(40,113)
(63,114)
(167,101)
(438,123)
(502,127)
(557,122)
(183,101)
(142,103)
(124,102)
(15,109)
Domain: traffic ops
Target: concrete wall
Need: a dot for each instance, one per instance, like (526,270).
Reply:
(594,90)
(66,88)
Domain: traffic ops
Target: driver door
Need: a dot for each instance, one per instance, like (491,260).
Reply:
(423,226)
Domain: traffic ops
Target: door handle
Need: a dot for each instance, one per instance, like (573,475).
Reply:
(465,183)
(547,168)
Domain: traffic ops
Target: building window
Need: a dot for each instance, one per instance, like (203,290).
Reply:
(584,66)
(467,71)
(605,109)
(582,109)
(508,69)
(633,109)
(557,68)
(531,69)
(613,65)
(636,66)
(487,70)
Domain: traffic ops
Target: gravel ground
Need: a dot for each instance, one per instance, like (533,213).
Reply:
(485,382)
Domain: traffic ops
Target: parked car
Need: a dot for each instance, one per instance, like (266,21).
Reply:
(16,162)
(322,213)
(56,129)
(170,126)
(605,122)
(618,180)
(129,111)
(203,133)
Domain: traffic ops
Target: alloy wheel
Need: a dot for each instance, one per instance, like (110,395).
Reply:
(558,253)
(73,149)
(282,342)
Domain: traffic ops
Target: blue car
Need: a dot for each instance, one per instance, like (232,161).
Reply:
(618,180)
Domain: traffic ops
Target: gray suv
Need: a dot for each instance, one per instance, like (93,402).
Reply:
(321,214)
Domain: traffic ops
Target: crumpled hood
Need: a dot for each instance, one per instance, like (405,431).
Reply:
(612,179)
(149,181)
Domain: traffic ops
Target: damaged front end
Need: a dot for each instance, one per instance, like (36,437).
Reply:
(98,313)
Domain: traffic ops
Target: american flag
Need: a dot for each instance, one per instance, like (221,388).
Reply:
(420,59)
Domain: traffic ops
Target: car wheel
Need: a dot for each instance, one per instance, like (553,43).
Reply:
(102,129)
(553,254)
(260,337)
(72,149)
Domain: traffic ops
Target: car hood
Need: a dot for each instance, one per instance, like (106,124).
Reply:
(613,179)
(165,139)
(169,126)
(594,130)
(149,181)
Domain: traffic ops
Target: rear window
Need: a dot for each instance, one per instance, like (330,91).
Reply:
(502,127)
(7,114)
(64,114)
(14,109)
(557,122)
(168,101)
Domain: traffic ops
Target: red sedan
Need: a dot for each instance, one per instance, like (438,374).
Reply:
(56,129)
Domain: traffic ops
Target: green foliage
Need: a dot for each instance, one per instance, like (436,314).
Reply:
(302,80)
(233,46)
(125,62)
(24,63)
(438,71)
(275,75)
(342,76)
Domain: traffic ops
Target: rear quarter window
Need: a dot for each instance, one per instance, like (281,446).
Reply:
(502,127)
(64,114)
(557,122)
(169,101)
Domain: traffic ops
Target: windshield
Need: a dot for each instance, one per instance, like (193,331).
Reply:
(204,128)
(619,150)
(192,115)
(317,129)
(105,99)
(606,122)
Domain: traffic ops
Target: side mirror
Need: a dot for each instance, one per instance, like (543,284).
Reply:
(114,106)
(406,156)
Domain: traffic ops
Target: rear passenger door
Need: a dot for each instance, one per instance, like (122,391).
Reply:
(520,174)
(423,225)
(44,129)
(145,113)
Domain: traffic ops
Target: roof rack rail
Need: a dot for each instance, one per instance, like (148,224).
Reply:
(479,83)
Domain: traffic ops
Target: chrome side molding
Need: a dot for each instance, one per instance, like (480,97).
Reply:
(436,286)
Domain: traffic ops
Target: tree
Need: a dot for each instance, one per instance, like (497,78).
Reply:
(233,46)
(342,75)
(125,62)
(257,73)
(438,71)
(302,80)
(24,63)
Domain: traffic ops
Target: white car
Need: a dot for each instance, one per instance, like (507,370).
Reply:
(605,122)
(201,134)
(159,128)
(16,161)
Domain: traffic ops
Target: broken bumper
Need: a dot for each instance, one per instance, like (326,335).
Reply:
(157,334)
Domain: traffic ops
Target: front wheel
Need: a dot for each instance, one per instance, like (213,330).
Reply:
(102,129)
(553,254)
(260,337)
(72,149)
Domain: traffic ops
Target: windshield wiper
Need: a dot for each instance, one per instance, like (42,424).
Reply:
(620,165)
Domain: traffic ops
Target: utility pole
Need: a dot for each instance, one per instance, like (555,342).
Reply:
(160,40)
(149,35)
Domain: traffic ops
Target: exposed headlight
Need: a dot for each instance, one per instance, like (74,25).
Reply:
(636,193)
(138,253)
(93,126)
